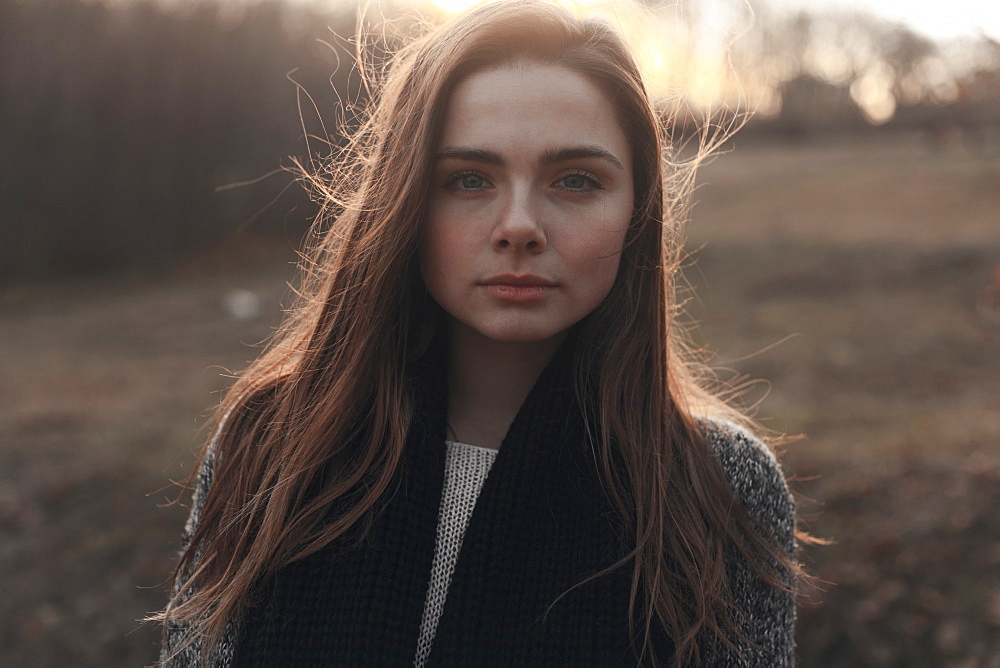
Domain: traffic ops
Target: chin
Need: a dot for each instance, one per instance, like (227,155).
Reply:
(505,331)
(515,338)
(521,334)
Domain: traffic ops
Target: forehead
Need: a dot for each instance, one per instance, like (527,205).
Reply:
(529,107)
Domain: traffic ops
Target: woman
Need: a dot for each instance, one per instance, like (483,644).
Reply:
(493,293)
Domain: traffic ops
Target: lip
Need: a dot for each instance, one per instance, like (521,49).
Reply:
(521,289)
(522,280)
(519,294)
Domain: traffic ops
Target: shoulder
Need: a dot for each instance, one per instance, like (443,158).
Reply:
(181,644)
(203,482)
(767,619)
(754,474)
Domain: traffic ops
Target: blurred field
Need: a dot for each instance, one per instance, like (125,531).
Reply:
(872,254)
(874,257)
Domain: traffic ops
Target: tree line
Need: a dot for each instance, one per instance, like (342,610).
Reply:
(127,129)
(124,128)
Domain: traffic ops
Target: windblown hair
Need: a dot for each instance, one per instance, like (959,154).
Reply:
(320,419)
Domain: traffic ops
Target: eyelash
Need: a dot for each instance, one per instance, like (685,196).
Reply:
(454,181)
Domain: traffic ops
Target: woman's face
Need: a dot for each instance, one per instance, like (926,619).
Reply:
(531,195)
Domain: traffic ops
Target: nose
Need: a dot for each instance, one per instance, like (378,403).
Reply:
(518,226)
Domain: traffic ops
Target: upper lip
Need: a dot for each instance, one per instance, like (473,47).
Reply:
(523,279)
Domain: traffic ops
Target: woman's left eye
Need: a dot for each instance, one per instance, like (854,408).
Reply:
(579,181)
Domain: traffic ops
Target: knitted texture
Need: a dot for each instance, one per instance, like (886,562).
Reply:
(465,470)
(182,643)
(541,525)
(769,614)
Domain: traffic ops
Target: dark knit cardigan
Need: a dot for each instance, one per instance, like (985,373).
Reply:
(540,525)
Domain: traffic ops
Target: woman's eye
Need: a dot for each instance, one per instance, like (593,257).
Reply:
(468,181)
(473,181)
(579,182)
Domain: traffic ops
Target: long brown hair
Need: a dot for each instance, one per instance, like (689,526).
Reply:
(330,393)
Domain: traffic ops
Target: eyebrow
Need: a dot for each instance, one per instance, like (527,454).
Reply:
(549,157)
(575,152)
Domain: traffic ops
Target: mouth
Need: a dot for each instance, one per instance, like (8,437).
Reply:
(523,289)
(524,280)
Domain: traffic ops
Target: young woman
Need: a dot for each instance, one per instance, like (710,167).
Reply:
(477,440)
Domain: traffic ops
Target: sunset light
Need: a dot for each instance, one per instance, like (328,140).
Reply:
(722,53)
(681,50)
(454,5)
(929,17)
(739,54)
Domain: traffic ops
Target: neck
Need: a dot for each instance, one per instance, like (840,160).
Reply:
(488,381)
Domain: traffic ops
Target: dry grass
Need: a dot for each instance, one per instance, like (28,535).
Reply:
(871,254)
(104,389)
(872,257)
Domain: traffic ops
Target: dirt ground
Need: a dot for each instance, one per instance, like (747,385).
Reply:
(860,280)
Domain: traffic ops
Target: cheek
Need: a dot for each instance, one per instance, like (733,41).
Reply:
(599,256)
(442,233)
(600,248)
(596,264)
(441,254)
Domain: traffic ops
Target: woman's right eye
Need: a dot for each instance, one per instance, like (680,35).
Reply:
(467,181)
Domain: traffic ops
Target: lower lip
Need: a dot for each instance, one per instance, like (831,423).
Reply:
(517,293)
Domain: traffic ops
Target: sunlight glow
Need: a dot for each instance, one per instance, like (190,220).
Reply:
(680,58)
(686,49)
(872,92)
(455,5)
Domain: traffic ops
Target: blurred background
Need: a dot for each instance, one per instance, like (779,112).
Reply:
(845,249)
